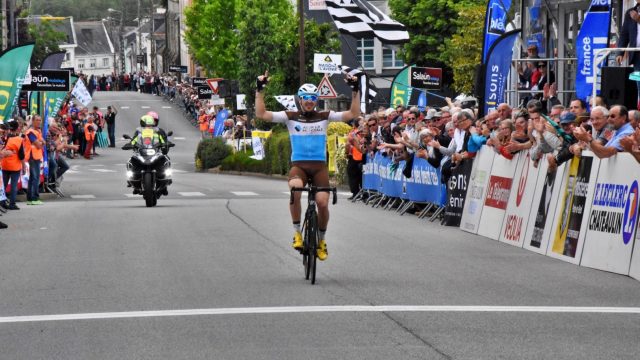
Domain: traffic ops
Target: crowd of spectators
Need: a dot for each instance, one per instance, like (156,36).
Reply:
(451,134)
(142,81)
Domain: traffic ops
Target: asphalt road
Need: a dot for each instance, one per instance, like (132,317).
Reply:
(209,274)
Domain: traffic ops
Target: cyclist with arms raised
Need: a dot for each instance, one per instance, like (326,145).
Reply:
(308,136)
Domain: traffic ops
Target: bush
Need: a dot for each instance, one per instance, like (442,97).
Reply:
(241,161)
(338,128)
(211,152)
(277,153)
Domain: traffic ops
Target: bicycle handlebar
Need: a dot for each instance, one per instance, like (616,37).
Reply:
(314,189)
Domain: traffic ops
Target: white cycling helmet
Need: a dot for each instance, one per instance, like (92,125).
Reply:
(307,89)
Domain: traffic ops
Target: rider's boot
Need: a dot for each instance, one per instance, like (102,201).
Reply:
(297,241)
(321,252)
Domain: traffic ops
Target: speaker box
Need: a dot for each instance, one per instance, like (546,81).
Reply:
(617,89)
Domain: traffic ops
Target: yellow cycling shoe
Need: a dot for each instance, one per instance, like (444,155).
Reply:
(297,241)
(321,252)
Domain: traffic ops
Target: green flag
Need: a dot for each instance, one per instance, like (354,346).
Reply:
(14,63)
(400,88)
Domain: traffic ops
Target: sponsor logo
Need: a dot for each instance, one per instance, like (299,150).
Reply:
(513,230)
(630,213)
(522,184)
(498,19)
(498,193)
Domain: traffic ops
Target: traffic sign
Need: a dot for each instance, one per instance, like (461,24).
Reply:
(214,85)
(327,63)
(326,90)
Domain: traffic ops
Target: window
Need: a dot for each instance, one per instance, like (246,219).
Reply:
(81,64)
(92,63)
(365,53)
(390,59)
(105,62)
(66,57)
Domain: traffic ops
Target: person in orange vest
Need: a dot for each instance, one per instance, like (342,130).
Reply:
(89,136)
(203,120)
(33,145)
(13,155)
(355,158)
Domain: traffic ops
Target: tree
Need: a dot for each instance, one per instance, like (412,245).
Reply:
(464,48)
(47,39)
(212,36)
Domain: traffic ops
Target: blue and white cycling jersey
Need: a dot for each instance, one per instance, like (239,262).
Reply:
(308,136)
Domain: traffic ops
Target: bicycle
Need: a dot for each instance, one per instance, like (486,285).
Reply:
(310,227)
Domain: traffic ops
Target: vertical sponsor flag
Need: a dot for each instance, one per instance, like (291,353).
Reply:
(593,35)
(45,130)
(361,19)
(495,24)
(497,70)
(81,93)
(53,61)
(400,88)
(219,124)
(14,63)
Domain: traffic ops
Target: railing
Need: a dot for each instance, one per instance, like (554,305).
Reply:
(564,77)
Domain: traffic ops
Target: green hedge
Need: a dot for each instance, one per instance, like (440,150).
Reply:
(241,161)
(277,153)
(211,152)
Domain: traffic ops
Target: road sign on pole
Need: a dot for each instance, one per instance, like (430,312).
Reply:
(326,90)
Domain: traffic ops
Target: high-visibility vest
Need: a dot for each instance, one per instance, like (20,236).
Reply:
(356,154)
(30,151)
(89,135)
(12,162)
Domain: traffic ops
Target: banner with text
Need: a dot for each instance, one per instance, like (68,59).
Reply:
(593,35)
(497,199)
(457,193)
(14,63)
(477,189)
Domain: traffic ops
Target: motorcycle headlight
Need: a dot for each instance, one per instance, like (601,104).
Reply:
(149,152)
(168,172)
(129,174)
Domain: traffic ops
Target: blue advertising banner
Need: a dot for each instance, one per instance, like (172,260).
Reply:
(497,70)
(424,185)
(495,24)
(593,35)
(220,118)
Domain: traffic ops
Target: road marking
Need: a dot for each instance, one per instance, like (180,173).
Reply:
(103,170)
(344,193)
(145,107)
(318,309)
(133,195)
(83,196)
(191,194)
(96,165)
(178,171)
(166,107)
(179,138)
(124,107)
(244,193)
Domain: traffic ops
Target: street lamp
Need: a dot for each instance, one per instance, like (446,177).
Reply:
(121,38)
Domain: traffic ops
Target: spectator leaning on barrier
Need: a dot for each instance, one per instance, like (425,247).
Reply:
(619,118)
(543,136)
(568,124)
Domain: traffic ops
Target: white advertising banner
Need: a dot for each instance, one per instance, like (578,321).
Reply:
(317,5)
(544,205)
(497,198)
(327,63)
(576,194)
(477,190)
(612,221)
(517,216)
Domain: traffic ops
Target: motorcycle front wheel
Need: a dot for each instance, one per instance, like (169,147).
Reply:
(149,195)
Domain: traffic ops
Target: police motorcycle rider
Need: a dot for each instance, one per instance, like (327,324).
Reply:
(161,132)
(308,134)
(148,133)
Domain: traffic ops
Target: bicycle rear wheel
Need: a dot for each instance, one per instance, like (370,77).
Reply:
(313,245)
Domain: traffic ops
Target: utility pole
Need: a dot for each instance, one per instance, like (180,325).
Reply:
(138,33)
(301,62)
(12,22)
(153,41)
(5,40)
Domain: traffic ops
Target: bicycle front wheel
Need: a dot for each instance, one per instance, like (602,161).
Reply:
(305,249)
(313,245)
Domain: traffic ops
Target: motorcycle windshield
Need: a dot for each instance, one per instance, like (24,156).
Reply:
(147,138)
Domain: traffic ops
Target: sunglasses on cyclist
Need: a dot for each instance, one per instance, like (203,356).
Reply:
(309,97)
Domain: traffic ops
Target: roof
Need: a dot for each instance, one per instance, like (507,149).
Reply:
(92,38)
(61,24)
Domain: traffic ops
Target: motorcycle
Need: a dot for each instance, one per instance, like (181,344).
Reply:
(149,169)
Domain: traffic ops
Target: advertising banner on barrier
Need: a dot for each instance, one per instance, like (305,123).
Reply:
(424,185)
(368,177)
(477,189)
(514,226)
(545,202)
(497,199)
(577,192)
(613,218)
(457,192)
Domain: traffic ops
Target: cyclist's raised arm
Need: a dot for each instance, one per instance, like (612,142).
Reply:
(354,110)
(261,111)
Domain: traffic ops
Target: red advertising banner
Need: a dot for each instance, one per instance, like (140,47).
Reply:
(498,194)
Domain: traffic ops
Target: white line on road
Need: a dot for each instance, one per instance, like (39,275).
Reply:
(190,194)
(318,309)
(244,193)
(83,196)
(124,107)
(133,195)
(166,107)
(145,107)
(103,170)
(179,138)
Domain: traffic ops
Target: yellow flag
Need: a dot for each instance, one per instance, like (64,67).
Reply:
(332,148)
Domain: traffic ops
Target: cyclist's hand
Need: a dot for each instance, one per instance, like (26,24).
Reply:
(262,80)
(353,82)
